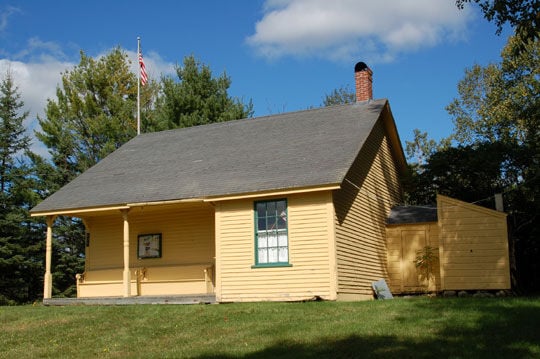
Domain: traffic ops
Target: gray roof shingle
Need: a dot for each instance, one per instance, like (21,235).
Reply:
(290,150)
(412,214)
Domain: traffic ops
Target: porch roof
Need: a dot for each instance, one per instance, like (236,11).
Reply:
(412,214)
(292,150)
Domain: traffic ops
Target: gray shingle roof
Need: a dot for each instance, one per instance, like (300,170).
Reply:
(412,214)
(290,150)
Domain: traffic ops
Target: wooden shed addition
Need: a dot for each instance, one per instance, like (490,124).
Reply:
(470,244)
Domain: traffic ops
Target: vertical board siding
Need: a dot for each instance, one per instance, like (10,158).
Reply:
(393,256)
(396,243)
(362,205)
(474,246)
(309,274)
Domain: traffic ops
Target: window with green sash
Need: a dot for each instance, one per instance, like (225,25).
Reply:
(271,235)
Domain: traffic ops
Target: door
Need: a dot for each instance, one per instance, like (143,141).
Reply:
(411,243)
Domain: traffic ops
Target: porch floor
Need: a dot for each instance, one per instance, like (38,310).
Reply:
(171,299)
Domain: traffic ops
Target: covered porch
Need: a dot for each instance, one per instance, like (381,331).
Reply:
(154,250)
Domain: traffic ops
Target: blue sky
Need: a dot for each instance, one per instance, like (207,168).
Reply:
(284,55)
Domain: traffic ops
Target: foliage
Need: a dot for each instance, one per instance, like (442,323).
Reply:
(420,148)
(20,251)
(497,132)
(425,260)
(458,327)
(468,172)
(93,114)
(197,98)
(12,131)
(340,96)
(499,102)
(523,15)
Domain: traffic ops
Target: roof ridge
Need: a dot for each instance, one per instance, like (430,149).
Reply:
(260,118)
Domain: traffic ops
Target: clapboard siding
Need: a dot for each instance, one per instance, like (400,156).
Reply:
(187,237)
(310,272)
(105,249)
(362,204)
(474,246)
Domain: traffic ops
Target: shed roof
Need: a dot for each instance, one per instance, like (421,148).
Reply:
(284,151)
(412,214)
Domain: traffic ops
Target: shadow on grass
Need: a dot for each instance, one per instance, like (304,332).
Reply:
(498,331)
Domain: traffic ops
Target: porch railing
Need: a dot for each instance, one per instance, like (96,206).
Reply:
(203,273)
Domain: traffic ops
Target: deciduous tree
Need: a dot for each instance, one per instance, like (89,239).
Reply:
(523,15)
(340,96)
(497,131)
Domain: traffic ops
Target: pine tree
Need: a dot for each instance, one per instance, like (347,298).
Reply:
(197,98)
(93,115)
(20,251)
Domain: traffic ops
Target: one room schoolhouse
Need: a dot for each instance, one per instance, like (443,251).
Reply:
(280,208)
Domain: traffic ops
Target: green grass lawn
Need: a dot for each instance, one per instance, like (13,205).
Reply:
(399,328)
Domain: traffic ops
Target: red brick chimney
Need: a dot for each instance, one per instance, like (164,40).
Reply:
(363,77)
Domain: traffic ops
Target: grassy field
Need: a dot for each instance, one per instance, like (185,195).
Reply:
(400,328)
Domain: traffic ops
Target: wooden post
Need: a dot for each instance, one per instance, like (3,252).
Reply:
(127,273)
(47,280)
(499,204)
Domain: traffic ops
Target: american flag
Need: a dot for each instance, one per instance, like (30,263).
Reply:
(144,76)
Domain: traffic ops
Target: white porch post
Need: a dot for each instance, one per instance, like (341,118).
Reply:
(127,273)
(47,280)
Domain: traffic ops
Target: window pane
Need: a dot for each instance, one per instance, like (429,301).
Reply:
(261,209)
(261,223)
(272,239)
(282,239)
(263,240)
(272,255)
(271,208)
(271,223)
(283,255)
(262,255)
(280,206)
(282,224)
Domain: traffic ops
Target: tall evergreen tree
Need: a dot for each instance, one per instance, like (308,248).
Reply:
(12,136)
(197,98)
(20,252)
(93,114)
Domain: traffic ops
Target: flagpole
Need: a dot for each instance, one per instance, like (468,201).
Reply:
(138,86)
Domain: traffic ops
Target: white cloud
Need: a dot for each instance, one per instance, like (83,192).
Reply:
(36,82)
(40,49)
(344,30)
(154,64)
(38,78)
(5,14)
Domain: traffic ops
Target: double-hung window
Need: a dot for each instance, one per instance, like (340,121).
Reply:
(271,235)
